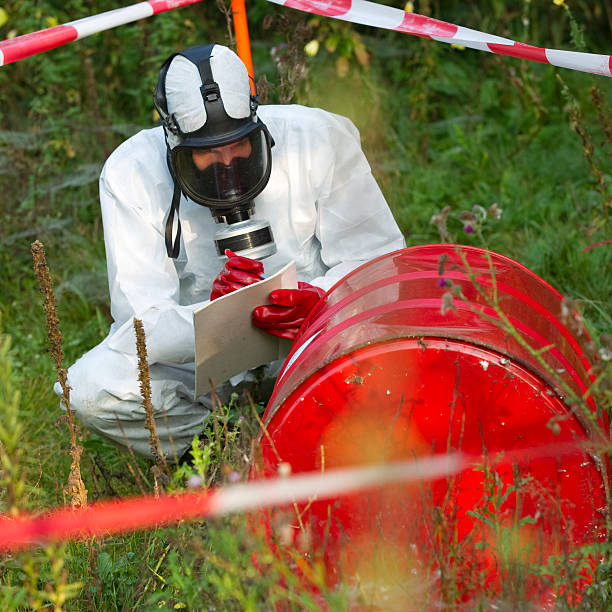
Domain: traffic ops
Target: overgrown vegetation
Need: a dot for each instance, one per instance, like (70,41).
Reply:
(449,133)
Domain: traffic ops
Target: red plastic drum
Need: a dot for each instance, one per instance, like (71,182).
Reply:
(442,349)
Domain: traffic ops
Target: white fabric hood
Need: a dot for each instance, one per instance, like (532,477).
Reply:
(184,98)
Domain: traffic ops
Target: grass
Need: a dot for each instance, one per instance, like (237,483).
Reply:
(441,127)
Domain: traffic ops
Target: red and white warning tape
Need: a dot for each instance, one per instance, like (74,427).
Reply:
(106,518)
(379,16)
(24,46)
(121,515)
(355,11)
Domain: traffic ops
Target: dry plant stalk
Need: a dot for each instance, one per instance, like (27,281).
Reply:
(226,8)
(603,116)
(75,487)
(145,390)
(156,478)
(289,57)
(578,125)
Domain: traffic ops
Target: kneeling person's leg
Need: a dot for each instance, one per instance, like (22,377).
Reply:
(105,393)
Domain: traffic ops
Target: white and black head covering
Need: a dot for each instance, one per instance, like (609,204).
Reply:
(203,96)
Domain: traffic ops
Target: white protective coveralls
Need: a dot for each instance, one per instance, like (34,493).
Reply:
(326,212)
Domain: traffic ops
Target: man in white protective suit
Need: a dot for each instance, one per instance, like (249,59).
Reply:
(293,178)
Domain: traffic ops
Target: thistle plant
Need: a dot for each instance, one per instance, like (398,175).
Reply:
(589,150)
(473,221)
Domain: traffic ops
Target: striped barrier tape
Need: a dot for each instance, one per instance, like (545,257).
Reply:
(145,512)
(20,47)
(116,516)
(389,18)
(356,11)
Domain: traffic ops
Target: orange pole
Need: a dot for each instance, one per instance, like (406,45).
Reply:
(243,44)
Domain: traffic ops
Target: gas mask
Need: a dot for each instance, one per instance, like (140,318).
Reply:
(218,151)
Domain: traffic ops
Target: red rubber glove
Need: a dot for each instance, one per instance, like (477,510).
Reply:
(237,273)
(287,310)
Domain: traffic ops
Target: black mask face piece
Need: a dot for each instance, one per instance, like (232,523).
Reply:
(223,165)
(226,176)
(226,181)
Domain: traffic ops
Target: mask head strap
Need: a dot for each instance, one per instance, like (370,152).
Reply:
(160,103)
(173,247)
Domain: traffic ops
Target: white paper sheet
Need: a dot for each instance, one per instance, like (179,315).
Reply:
(226,342)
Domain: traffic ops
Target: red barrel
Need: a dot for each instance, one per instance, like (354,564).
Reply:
(442,349)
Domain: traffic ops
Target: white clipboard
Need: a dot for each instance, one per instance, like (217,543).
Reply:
(226,342)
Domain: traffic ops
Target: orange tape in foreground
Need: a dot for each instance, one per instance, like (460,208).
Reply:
(105,518)
(111,517)
(116,516)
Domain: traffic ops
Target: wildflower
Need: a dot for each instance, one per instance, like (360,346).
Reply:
(468,229)
(361,53)
(441,263)
(194,482)
(590,349)
(447,303)
(342,66)
(570,317)
(233,477)
(442,282)
(494,211)
(284,469)
(567,307)
(480,212)
(409,7)
(312,48)
(560,3)
(241,419)
(278,52)
(439,220)
(467,216)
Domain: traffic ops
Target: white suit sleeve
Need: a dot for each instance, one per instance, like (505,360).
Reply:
(143,281)
(354,222)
